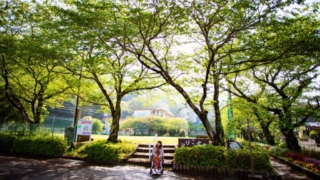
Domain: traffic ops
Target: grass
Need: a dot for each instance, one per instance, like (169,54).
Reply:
(134,139)
(128,143)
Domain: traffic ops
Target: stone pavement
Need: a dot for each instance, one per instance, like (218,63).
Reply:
(286,172)
(16,168)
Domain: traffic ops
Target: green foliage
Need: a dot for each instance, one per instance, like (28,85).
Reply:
(311,153)
(277,151)
(240,159)
(83,151)
(96,126)
(43,146)
(160,125)
(220,157)
(6,142)
(104,152)
(282,144)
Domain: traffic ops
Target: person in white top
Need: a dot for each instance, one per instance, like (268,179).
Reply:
(157,154)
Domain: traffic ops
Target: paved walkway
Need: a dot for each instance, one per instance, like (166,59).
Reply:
(286,172)
(60,169)
(16,168)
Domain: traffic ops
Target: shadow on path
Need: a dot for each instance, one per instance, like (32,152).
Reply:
(59,169)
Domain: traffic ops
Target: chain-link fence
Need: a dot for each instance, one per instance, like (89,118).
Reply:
(52,125)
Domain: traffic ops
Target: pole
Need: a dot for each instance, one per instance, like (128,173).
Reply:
(52,127)
(230,115)
(77,110)
(249,136)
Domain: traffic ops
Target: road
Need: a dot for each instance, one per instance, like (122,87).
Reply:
(61,169)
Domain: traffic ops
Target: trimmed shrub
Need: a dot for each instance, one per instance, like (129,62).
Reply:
(104,152)
(43,146)
(6,142)
(200,156)
(240,159)
(220,157)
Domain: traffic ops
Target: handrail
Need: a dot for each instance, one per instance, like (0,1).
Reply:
(155,139)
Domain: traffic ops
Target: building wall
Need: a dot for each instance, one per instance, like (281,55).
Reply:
(141,113)
(151,112)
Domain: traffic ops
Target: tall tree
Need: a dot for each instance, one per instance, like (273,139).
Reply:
(116,72)
(292,43)
(29,59)
(154,31)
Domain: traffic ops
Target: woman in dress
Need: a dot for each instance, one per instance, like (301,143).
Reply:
(157,154)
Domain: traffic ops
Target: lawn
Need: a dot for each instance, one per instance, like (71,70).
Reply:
(135,139)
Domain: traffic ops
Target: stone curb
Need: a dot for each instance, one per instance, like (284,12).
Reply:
(303,170)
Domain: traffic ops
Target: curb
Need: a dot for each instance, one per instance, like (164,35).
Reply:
(303,170)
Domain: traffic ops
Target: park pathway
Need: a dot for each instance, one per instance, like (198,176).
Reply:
(286,172)
(16,168)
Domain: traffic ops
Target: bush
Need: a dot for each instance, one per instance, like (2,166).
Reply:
(240,159)
(282,144)
(279,151)
(97,126)
(220,157)
(44,146)
(200,156)
(104,152)
(6,142)
(182,134)
(126,148)
(311,153)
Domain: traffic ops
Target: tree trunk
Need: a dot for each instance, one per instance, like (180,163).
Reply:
(287,130)
(291,140)
(219,129)
(266,132)
(116,114)
(208,128)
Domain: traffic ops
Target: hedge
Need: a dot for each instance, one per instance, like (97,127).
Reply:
(104,152)
(220,157)
(6,142)
(33,145)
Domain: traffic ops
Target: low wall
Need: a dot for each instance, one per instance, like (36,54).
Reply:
(303,170)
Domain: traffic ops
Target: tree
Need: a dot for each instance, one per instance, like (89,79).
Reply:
(29,60)
(97,126)
(114,71)
(153,31)
(284,86)
(259,117)
(176,126)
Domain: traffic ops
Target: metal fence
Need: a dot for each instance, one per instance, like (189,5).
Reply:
(54,126)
